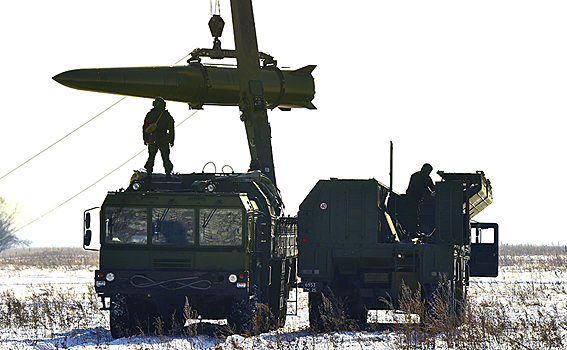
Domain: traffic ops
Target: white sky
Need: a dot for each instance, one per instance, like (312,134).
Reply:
(465,86)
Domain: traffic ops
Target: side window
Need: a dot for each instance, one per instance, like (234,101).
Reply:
(483,233)
(125,225)
(220,227)
(173,226)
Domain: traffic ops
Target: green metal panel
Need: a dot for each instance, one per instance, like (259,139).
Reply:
(215,260)
(124,259)
(436,262)
(449,216)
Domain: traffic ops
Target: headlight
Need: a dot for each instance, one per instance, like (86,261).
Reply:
(136,186)
(232,278)
(110,277)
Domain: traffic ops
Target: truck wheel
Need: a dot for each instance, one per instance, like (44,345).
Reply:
(315,307)
(441,303)
(240,317)
(119,317)
(251,316)
(143,316)
(358,317)
(327,312)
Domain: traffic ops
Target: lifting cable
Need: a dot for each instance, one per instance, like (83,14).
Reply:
(91,185)
(69,134)
(216,10)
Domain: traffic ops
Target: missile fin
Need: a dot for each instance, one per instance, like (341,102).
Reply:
(304,104)
(304,71)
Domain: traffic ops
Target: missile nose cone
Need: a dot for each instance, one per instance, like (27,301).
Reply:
(74,78)
(60,78)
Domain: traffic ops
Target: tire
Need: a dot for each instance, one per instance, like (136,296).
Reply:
(119,317)
(130,315)
(240,317)
(315,307)
(251,316)
(441,303)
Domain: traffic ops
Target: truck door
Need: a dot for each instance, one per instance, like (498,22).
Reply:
(484,250)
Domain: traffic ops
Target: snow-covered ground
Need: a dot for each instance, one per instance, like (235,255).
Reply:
(520,296)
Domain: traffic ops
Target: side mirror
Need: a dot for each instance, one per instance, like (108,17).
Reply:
(87,238)
(88,220)
(87,231)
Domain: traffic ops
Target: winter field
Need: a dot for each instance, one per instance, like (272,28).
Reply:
(48,302)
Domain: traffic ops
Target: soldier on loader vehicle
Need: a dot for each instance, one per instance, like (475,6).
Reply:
(159,134)
(420,188)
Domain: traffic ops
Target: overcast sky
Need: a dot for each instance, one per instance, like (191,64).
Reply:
(465,86)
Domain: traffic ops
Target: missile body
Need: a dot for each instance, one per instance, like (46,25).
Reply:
(195,84)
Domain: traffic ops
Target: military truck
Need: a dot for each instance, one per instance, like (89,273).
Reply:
(213,242)
(351,243)
(218,243)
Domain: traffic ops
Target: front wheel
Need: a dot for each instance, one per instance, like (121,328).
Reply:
(250,316)
(119,317)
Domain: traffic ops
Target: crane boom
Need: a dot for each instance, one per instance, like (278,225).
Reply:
(252,101)
(253,88)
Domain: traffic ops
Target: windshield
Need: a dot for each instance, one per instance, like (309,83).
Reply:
(173,226)
(220,227)
(126,225)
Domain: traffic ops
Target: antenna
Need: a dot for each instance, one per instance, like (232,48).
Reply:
(391,166)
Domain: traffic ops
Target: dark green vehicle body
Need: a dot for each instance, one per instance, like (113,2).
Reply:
(217,242)
(214,242)
(209,241)
(347,240)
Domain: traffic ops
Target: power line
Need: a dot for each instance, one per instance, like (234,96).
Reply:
(96,182)
(64,137)
(61,139)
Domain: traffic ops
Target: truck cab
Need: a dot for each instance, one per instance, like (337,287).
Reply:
(209,242)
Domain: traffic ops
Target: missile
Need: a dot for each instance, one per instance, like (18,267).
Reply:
(195,84)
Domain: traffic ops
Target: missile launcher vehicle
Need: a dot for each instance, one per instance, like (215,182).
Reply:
(211,242)
(214,243)
(351,244)
(218,243)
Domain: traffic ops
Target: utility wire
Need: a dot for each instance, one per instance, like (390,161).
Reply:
(61,139)
(64,137)
(99,180)
(96,182)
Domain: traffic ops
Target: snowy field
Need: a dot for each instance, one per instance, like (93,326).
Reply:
(524,308)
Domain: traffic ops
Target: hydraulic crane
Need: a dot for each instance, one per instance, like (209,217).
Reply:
(214,242)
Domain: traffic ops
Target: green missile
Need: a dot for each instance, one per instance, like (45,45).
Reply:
(195,84)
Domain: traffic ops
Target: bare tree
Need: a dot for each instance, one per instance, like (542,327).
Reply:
(8,239)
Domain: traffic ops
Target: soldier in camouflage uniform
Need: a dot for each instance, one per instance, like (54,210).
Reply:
(161,138)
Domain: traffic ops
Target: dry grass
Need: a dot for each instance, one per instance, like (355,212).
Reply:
(49,258)
(533,257)
(525,308)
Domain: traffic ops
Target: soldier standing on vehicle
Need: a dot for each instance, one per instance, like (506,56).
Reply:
(420,188)
(159,134)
